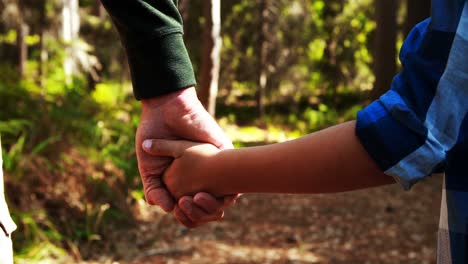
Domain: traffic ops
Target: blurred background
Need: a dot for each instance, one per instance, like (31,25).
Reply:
(269,70)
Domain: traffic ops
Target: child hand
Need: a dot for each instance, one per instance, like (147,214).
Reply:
(187,173)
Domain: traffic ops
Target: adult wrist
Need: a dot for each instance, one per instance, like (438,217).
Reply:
(181,98)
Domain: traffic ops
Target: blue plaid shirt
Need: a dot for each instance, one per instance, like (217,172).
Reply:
(420,126)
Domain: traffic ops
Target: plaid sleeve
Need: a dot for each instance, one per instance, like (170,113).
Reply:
(394,129)
(451,125)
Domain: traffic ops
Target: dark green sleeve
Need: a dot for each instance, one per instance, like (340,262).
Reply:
(151,33)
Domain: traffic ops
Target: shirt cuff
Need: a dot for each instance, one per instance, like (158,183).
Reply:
(391,133)
(159,66)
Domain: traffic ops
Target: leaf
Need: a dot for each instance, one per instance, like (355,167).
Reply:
(41,146)
(14,126)
(12,157)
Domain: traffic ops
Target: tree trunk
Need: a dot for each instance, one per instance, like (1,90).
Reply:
(262,50)
(70,29)
(331,65)
(385,46)
(22,31)
(43,50)
(416,11)
(212,43)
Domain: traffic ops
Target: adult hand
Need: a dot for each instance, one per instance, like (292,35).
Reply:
(179,115)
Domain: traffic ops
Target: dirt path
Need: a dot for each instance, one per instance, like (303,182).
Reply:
(383,225)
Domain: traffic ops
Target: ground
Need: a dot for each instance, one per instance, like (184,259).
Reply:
(379,225)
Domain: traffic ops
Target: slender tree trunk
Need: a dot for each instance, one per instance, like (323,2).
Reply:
(22,31)
(70,29)
(385,46)
(331,67)
(208,88)
(43,50)
(417,11)
(262,50)
(92,76)
(44,56)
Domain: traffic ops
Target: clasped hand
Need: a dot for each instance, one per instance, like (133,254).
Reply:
(178,116)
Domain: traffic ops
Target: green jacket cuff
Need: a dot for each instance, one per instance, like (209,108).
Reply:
(159,66)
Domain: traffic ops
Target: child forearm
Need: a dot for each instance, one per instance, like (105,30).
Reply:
(331,160)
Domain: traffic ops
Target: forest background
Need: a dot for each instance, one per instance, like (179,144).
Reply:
(269,70)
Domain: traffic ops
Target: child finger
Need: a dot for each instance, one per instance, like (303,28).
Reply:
(208,202)
(183,219)
(197,214)
(166,148)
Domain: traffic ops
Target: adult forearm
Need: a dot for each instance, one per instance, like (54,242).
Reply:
(331,160)
(151,33)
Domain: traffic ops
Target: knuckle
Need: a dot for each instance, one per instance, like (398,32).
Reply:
(153,182)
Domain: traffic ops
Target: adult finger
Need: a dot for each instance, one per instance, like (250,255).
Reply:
(157,194)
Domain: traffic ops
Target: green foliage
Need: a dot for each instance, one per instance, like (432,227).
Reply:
(14,155)
(38,238)
(42,253)
(13,126)
(319,118)
(39,127)
(93,220)
(9,37)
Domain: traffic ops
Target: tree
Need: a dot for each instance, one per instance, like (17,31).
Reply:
(262,50)
(416,11)
(385,45)
(208,88)
(13,12)
(70,29)
(43,50)
(22,31)
(331,57)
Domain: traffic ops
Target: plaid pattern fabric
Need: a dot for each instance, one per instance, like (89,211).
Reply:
(420,126)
